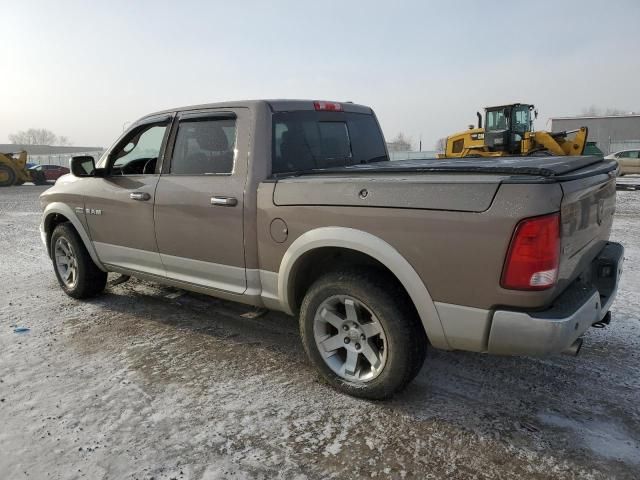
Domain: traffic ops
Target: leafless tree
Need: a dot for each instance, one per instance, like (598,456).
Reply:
(38,136)
(400,143)
(63,141)
(441,145)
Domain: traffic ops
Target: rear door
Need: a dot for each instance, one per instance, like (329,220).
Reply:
(629,161)
(200,200)
(634,161)
(119,207)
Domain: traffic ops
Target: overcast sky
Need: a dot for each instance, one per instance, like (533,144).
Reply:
(83,69)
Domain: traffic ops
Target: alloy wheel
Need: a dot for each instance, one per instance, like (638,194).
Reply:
(350,338)
(66,262)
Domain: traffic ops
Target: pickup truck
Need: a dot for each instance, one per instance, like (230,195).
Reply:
(294,206)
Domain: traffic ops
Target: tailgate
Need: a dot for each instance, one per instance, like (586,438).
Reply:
(587,210)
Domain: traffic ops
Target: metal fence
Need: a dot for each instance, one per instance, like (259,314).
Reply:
(615,146)
(62,159)
(412,155)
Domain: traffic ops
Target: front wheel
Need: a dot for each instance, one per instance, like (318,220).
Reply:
(363,336)
(77,274)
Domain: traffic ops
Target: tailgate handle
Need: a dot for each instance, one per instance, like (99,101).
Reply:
(224,201)
(139,196)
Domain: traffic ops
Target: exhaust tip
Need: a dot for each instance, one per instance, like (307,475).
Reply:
(574,348)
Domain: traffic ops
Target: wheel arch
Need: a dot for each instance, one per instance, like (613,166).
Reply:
(56,213)
(365,246)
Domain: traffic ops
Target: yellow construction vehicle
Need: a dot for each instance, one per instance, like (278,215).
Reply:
(14,171)
(509,131)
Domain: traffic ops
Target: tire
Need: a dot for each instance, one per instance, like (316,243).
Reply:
(354,305)
(81,278)
(38,178)
(8,174)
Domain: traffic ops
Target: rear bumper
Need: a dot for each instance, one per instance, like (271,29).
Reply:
(584,303)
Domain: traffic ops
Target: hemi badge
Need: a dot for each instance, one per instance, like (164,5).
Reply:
(79,210)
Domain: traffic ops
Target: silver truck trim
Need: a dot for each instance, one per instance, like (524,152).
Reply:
(208,274)
(466,328)
(129,258)
(235,280)
(518,333)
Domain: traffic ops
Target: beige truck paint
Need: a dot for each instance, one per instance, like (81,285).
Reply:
(443,235)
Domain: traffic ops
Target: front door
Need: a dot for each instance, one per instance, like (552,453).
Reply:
(119,207)
(199,200)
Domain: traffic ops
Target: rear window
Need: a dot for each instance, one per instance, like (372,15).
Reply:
(309,140)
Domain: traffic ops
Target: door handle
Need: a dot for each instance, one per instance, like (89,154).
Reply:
(139,196)
(224,201)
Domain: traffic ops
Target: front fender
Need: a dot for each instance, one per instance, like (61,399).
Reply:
(66,211)
(376,248)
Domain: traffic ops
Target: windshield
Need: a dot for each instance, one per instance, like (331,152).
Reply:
(310,140)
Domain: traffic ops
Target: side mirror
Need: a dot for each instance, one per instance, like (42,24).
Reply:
(83,166)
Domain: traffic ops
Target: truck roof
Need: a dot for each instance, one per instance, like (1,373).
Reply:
(275,105)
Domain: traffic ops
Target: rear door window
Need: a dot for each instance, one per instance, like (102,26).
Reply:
(308,140)
(204,146)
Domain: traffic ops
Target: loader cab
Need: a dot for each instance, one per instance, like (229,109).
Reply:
(506,125)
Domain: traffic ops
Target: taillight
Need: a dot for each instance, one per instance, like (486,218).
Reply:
(327,106)
(534,254)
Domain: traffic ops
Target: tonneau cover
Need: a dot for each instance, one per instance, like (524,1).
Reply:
(549,167)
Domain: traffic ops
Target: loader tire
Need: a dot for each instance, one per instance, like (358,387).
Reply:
(7,176)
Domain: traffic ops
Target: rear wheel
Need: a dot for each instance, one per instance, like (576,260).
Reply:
(363,337)
(7,176)
(78,276)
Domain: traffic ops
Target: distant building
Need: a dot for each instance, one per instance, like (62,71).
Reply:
(50,155)
(610,132)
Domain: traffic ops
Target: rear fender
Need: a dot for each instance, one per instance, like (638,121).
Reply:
(376,248)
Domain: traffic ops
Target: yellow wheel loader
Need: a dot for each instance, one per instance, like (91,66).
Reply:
(14,171)
(508,131)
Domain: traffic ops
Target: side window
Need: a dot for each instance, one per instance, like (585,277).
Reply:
(634,154)
(496,120)
(138,153)
(204,146)
(623,155)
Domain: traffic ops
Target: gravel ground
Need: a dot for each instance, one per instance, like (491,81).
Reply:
(146,382)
